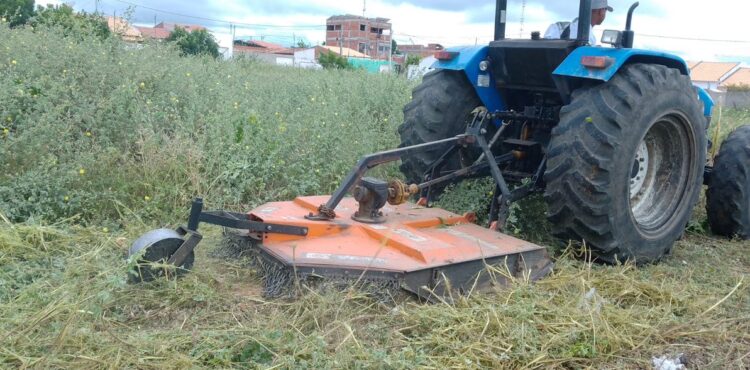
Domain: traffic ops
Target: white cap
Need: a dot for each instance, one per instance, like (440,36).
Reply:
(600,4)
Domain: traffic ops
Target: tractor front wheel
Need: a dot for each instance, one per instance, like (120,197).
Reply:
(728,195)
(625,164)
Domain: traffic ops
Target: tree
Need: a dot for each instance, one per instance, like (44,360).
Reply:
(394,47)
(16,12)
(302,44)
(331,60)
(197,42)
(412,59)
(71,23)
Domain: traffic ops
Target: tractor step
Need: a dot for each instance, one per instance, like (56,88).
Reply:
(428,251)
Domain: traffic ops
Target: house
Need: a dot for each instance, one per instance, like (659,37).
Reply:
(162,30)
(741,77)
(421,50)
(154,33)
(344,52)
(121,27)
(263,51)
(260,47)
(368,36)
(308,58)
(710,75)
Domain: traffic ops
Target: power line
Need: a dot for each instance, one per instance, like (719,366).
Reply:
(693,38)
(220,20)
(311,27)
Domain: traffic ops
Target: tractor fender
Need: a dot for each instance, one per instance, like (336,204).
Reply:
(572,66)
(468,60)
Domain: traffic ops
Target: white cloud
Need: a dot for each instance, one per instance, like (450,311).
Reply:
(718,19)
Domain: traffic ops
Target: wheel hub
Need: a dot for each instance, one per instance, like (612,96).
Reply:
(640,170)
(660,173)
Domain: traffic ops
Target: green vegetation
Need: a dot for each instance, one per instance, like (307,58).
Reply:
(331,60)
(738,88)
(412,59)
(69,22)
(16,12)
(100,143)
(196,42)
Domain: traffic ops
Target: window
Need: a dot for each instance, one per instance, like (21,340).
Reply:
(362,27)
(329,27)
(333,27)
(362,48)
(379,31)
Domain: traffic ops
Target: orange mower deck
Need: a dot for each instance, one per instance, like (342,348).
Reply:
(427,251)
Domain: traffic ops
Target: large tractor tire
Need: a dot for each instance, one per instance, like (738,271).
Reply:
(728,195)
(625,164)
(440,108)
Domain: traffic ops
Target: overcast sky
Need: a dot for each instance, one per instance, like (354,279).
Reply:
(691,29)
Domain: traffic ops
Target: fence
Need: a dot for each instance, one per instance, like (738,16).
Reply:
(732,99)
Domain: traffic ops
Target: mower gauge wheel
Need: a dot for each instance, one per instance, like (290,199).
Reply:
(153,250)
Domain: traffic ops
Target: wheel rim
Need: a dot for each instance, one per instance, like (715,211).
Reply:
(661,173)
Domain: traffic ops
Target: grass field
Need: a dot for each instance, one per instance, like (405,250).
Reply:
(100,143)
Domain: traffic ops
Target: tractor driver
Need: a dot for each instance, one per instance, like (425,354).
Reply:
(564,30)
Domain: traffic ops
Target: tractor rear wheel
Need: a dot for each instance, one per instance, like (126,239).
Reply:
(728,195)
(625,164)
(441,108)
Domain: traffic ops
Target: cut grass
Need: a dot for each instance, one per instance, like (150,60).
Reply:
(65,303)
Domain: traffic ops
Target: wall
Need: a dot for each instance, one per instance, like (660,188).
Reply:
(732,99)
(269,58)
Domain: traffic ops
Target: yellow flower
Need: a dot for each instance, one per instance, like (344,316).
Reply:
(187,74)
(4,20)
(82,171)
(312,98)
(65,71)
(9,118)
(13,62)
(66,198)
(147,198)
(385,119)
(142,85)
(6,132)
(105,230)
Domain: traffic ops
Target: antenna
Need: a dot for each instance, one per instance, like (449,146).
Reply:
(523,18)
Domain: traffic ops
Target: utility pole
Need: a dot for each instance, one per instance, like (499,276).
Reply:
(523,18)
(364,8)
(390,54)
(341,39)
(232,29)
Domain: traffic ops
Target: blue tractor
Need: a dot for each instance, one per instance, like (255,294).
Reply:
(614,137)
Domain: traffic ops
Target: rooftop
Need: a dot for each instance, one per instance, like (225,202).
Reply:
(741,77)
(347,17)
(711,71)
